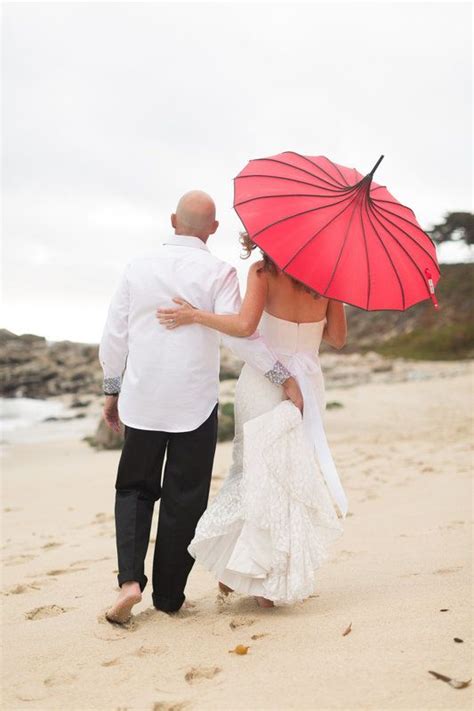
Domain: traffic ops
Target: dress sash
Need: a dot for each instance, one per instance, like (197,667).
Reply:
(304,365)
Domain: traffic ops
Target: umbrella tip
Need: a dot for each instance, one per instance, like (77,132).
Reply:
(376,165)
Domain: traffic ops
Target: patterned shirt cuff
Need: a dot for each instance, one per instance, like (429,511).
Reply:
(278,374)
(112,385)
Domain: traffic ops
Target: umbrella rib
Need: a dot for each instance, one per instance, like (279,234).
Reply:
(318,166)
(295,167)
(400,217)
(393,202)
(406,233)
(366,259)
(410,223)
(342,248)
(289,195)
(399,243)
(297,214)
(320,230)
(291,180)
(388,256)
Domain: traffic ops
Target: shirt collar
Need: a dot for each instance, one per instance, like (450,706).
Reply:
(186,241)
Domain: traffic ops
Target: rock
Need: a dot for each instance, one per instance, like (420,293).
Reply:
(32,367)
(76,403)
(6,335)
(382,367)
(105,438)
(79,416)
(31,338)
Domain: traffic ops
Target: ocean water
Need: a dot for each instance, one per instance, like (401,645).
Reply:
(22,412)
(23,421)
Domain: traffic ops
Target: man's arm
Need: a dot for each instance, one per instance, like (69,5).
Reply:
(113,350)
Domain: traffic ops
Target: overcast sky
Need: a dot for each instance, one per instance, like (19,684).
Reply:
(113,110)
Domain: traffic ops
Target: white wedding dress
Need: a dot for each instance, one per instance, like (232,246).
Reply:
(270,526)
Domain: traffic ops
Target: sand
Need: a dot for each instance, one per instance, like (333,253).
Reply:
(404,455)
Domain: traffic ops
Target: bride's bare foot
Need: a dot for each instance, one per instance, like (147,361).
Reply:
(225,588)
(263,602)
(130,594)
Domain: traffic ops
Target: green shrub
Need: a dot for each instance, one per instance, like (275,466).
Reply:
(226,426)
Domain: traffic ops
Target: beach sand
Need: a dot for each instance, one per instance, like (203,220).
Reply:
(404,456)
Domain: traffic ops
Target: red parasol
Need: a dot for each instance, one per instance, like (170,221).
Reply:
(337,231)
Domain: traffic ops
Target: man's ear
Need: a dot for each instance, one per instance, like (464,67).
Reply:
(214,227)
(173,220)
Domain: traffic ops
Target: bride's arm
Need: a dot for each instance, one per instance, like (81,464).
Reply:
(242,325)
(335,330)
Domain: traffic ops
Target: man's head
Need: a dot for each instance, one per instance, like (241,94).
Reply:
(195,215)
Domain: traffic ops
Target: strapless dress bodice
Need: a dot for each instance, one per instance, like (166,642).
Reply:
(288,337)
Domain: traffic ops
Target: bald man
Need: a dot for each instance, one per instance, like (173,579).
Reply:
(163,385)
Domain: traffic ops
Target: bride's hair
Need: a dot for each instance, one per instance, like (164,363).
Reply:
(269,265)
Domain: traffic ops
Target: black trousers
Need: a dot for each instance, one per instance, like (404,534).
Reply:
(183,490)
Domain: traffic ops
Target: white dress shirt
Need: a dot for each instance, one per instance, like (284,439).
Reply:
(169,379)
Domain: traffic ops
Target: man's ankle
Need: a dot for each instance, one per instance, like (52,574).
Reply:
(131,586)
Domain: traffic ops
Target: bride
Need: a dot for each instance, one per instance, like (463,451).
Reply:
(269,528)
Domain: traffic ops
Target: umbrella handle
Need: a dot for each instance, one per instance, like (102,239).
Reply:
(431,289)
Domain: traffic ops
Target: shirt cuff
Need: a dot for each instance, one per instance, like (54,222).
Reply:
(278,374)
(112,385)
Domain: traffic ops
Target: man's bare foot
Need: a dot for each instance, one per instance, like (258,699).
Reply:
(263,602)
(225,588)
(130,594)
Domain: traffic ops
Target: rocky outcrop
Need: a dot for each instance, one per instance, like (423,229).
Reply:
(30,366)
(421,332)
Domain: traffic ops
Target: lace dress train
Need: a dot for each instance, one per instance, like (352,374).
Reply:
(270,526)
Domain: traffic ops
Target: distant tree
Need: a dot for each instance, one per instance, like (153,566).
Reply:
(456,226)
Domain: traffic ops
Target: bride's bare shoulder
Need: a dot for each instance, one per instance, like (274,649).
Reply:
(257,269)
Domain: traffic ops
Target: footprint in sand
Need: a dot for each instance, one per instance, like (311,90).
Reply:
(59,679)
(30,697)
(370,497)
(452,526)
(75,567)
(21,588)
(445,571)
(63,571)
(188,610)
(19,559)
(103,518)
(237,622)
(343,555)
(222,599)
(199,673)
(111,662)
(51,544)
(145,651)
(409,575)
(39,613)
(111,632)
